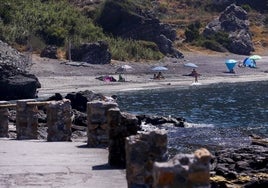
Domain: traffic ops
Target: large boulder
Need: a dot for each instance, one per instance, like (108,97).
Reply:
(138,25)
(94,53)
(260,5)
(49,52)
(234,164)
(15,82)
(79,99)
(234,21)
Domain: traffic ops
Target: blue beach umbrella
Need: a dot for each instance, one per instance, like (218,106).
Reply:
(230,64)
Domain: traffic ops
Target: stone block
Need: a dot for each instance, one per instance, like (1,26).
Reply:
(183,170)
(97,112)
(59,120)
(26,119)
(142,150)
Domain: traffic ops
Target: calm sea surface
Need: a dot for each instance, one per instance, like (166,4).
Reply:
(220,115)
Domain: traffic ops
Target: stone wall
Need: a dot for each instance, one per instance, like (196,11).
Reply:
(59,120)
(98,122)
(142,150)
(184,171)
(26,120)
(120,126)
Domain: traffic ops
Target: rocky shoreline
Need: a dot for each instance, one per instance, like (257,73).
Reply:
(232,167)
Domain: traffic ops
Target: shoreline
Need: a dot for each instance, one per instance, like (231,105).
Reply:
(132,86)
(63,77)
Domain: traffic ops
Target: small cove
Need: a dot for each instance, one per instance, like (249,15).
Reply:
(219,115)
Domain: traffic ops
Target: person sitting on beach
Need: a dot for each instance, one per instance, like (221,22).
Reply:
(121,79)
(159,76)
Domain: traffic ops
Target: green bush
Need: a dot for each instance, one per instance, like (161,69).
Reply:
(246,7)
(213,45)
(123,49)
(49,22)
(54,22)
(221,38)
(192,32)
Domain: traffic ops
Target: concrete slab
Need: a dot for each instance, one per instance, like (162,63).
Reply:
(35,163)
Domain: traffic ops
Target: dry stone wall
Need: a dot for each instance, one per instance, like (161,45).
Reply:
(121,125)
(98,122)
(59,120)
(184,171)
(142,150)
(26,120)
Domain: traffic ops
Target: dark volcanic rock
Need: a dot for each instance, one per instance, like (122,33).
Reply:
(251,162)
(159,120)
(49,52)
(79,100)
(234,21)
(94,53)
(16,84)
(138,25)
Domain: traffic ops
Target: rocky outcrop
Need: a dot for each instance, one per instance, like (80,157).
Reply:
(244,167)
(79,99)
(49,52)
(138,25)
(184,170)
(234,21)
(15,82)
(260,5)
(159,120)
(94,53)
(12,57)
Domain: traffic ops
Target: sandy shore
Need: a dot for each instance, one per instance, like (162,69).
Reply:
(63,77)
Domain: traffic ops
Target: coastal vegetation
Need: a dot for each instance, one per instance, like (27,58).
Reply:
(36,23)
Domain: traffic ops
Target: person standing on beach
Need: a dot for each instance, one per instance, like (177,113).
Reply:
(195,74)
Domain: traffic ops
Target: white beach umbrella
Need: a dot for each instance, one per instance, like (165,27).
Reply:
(255,57)
(160,68)
(192,65)
(124,68)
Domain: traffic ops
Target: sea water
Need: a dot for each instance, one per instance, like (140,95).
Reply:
(218,116)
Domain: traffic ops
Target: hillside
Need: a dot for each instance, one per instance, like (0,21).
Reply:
(182,13)
(34,25)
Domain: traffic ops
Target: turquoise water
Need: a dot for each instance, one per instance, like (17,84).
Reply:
(219,115)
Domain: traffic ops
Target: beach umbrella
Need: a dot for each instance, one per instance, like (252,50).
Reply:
(230,64)
(192,65)
(255,57)
(124,68)
(160,68)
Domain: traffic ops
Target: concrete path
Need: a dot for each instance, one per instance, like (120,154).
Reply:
(35,163)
